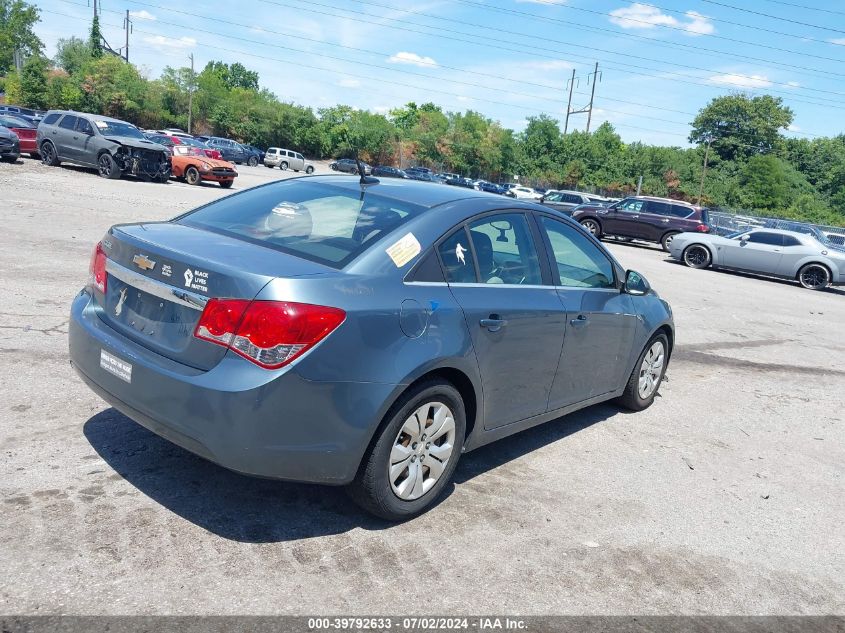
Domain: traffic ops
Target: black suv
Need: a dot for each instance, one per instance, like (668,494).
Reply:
(643,218)
(231,151)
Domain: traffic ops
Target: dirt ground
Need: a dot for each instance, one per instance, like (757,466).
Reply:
(725,497)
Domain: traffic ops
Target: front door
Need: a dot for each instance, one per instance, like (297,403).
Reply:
(761,252)
(623,219)
(600,320)
(513,314)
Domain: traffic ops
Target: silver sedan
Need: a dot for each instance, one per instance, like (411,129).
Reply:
(773,252)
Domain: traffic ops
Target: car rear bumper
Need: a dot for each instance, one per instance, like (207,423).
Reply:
(272,424)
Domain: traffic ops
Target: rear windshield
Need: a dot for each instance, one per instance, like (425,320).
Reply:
(13,121)
(317,221)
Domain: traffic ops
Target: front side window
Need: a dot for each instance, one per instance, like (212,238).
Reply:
(84,127)
(505,250)
(631,206)
(324,223)
(553,197)
(579,262)
(771,239)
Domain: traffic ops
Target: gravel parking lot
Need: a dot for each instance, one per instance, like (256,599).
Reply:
(725,497)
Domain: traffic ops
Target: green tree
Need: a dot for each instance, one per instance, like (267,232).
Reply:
(72,54)
(95,38)
(234,75)
(763,179)
(741,126)
(17,19)
(34,82)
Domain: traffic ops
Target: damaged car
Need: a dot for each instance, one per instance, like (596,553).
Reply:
(193,166)
(113,147)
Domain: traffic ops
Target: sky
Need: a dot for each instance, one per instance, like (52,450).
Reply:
(659,64)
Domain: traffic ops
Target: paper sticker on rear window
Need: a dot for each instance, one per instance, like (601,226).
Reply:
(404,250)
(101,124)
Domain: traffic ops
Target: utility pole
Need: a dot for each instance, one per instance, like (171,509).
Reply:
(127,25)
(596,77)
(191,93)
(569,103)
(704,170)
(639,185)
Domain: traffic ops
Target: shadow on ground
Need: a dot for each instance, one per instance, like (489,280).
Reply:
(248,509)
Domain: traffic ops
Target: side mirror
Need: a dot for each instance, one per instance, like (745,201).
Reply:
(744,238)
(635,284)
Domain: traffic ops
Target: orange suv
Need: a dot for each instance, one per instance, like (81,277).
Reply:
(645,218)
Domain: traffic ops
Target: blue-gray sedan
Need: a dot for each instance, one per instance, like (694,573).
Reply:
(325,330)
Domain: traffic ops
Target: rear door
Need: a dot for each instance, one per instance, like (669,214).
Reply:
(512,311)
(761,252)
(600,320)
(300,161)
(655,219)
(62,136)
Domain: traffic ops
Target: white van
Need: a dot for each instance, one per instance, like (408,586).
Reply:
(286,159)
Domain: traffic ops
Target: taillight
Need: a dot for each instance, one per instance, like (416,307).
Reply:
(269,333)
(97,269)
(702,228)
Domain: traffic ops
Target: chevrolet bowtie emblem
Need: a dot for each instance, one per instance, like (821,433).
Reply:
(143,262)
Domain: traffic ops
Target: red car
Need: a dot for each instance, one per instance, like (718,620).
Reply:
(169,140)
(26,133)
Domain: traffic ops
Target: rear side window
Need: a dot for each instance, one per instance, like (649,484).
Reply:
(772,239)
(680,212)
(658,208)
(505,250)
(457,258)
(50,119)
(68,122)
(324,223)
(788,240)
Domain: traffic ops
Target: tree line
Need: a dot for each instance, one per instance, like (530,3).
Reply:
(751,164)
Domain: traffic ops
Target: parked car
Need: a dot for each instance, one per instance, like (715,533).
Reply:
(254,155)
(645,218)
(389,172)
(10,145)
(423,176)
(112,147)
(490,187)
(287,159)
(171,140)
(262,334)
(25,130)
(349,166)
(522,193)
(29,113)
(194,167)
(230,150)
(566,201)
(771,252)
(467,183)
(413,171)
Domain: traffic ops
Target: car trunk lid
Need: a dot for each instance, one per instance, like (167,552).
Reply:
(161,275)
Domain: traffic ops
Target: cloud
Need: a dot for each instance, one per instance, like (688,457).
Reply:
(793,128)
(349,83)
(403,57)
(645,16)
(741,81)
(170,44)
(142,15)
(839,41)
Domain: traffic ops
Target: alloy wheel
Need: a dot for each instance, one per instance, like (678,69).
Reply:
(104,165)
(47,154)
(814,277)
(421,451)
(696,257)
(651,370)
(591,226)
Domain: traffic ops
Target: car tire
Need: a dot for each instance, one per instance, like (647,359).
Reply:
(49,156)
(645,379)
(592,226)
(666,240)
(226,184)
(161,179)
(394,481)
(107,168)
(192,176)
(697,256)
(309,170)
(814,276)
(268,166)
(283,165)
(252,162)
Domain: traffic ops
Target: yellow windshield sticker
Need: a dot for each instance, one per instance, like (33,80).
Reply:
(404,250)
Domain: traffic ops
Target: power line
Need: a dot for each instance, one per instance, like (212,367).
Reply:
(666,26)
(775,17)
(309,6)
(804,6)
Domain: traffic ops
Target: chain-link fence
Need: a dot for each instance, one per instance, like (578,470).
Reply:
(725,221)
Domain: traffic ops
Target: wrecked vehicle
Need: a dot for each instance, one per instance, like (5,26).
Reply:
(193,166)
(113,147)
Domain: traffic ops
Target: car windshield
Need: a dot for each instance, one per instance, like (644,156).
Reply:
(118,128)
(13,121)
(314,220)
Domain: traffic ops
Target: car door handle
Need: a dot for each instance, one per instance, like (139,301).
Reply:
(665,220)
(493,323)
(634,217)
(579,321)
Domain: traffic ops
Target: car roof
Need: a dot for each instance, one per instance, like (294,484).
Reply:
(668,200)
(88,115)
(761,229)
(426,194)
